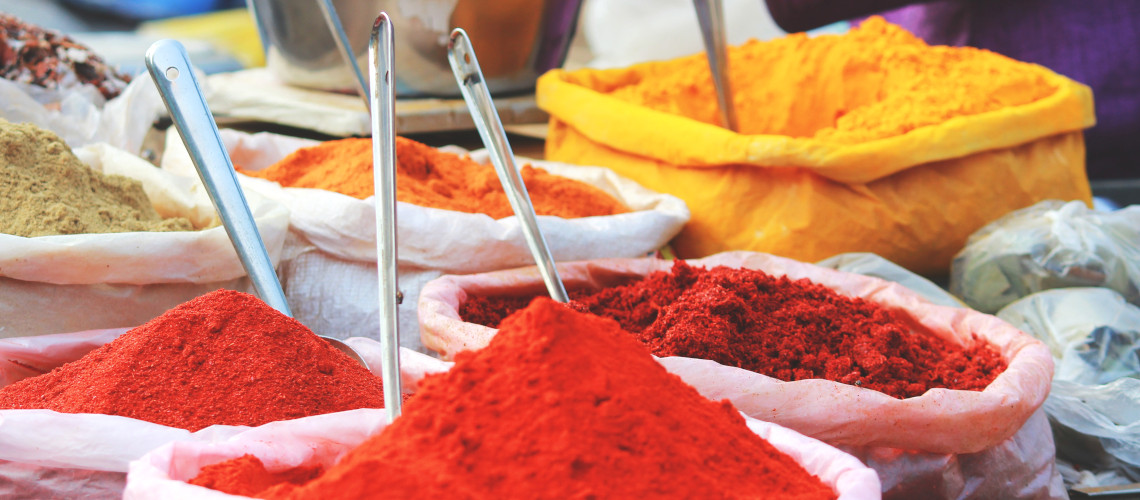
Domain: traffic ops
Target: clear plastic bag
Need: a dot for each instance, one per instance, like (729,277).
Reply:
(1049,245)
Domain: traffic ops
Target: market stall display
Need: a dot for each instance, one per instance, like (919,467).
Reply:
(867,141)
(919,437)
(538,414)
(1049,245)
(329,272)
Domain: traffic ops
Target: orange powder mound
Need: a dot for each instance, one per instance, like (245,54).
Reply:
(873,82)
(429,177)
(247,475)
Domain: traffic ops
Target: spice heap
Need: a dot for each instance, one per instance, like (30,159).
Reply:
(223,358)
(875,81)
(247,475)
(30,54)
(46,190)
(789,330)
(562,405)
(429,177)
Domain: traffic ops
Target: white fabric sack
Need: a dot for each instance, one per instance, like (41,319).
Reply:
(46,454)
(62,283)
(162,473)
(329,273)
(941,422)
(81,116)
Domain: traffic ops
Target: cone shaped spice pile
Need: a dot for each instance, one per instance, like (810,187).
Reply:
(223,358)
(429,177)
(790,330)
(562,405)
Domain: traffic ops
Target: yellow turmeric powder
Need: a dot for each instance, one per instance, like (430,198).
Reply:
(429,177)
(873,82)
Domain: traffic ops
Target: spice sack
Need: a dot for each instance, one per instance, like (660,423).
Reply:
(72,282)
(992,443)
(47,454)
(329,268)
(870,141)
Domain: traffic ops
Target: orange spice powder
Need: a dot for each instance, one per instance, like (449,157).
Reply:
(429,177)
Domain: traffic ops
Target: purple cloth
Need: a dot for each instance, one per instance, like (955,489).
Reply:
(1095,42)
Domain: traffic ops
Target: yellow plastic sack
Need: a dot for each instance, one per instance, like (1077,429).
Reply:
(911,197)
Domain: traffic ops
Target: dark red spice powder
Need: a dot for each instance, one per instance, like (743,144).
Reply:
(223,358)
(789,330)
(562,405)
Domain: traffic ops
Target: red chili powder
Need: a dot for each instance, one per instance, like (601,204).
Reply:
(789,330)
(223,358)
(562,405)
(247,475)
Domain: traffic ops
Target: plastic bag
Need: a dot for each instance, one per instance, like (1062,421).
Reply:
(321,441)
(1049,245)
(1094,405)
(62,283)
(946,423)
(46,454)
(869,264)
(810,199)
(329,273)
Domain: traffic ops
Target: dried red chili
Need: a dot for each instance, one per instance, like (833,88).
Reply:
(562,405)
(790,330)
(247,476)
(223,358)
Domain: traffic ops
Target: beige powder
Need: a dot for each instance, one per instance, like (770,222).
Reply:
(46,190)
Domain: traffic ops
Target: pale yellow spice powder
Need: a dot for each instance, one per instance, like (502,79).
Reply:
(873,82)
(46,190)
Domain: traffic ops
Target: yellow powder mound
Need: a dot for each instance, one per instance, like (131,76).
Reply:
(875,81)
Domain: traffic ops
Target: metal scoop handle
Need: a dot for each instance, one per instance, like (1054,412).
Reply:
(461,55)
(342,43)
(171,70)
(381,57)
(710,15)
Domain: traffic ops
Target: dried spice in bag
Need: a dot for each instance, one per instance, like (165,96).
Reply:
(223,358)
(789,330)
(30,54)
(561,405)
(432,178)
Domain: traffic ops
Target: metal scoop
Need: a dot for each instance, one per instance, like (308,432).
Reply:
(383,95)
(345,46)
(171,71)
(461,55)
(710,15)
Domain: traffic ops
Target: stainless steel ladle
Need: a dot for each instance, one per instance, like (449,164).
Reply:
(171,71)
(710,16)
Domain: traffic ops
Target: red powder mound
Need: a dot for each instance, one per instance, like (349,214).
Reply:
(223,358)
(790,330)
(562,405)
(247,476)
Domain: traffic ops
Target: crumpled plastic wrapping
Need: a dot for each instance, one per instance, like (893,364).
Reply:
(869,264)
(1094,406)
(62,283)
(161,474)
(46,454)
(1049,245)
(329,272)
(947,439)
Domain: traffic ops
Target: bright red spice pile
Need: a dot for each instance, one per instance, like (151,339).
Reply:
(247,476)
(790,330)
(562,405)
(223,358)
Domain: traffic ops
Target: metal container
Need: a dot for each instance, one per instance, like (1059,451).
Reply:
(517,40)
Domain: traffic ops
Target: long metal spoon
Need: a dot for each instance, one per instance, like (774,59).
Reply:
(170,69)
(710,15)
(461,55)
(345,46)
(381,57)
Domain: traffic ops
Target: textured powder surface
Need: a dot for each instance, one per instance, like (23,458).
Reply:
(223,358)
(428,177)
(46,190)
(790,330)
(873,82)
(563,405)
(247,475)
